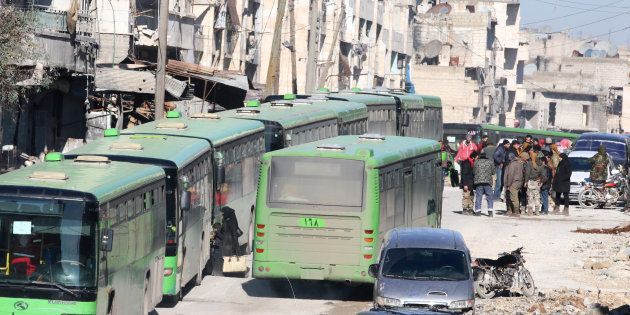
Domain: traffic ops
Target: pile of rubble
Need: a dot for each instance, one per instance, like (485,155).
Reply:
(604,262)
(563,301)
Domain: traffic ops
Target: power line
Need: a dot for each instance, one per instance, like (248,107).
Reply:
(588,38)
(596,21)
(572,7)
(595,5)
(582,11)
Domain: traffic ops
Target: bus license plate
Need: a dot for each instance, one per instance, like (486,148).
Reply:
(312,222)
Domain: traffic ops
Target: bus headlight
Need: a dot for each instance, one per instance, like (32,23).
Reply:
(462,304)
(388,302)
(168,272)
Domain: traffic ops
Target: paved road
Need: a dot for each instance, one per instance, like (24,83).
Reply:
(547,242)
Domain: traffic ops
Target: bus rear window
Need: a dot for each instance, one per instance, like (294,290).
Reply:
(306,182)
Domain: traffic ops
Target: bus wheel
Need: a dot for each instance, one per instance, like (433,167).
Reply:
(112,305)
(146,306)
(250,237)
(202,264)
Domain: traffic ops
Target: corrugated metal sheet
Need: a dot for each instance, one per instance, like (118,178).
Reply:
(132,81)
(229,78)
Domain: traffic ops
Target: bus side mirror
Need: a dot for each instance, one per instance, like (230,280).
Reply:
(185,195)
(107,240)
(185,200)
(373,270)
(405,120)
(219,168)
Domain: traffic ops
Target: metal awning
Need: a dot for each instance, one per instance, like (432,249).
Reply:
(226,88)
(134,81)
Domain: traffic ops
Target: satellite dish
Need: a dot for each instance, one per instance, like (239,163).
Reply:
(442,8)
(588,53)
(432,49)
(610,49)
(529,69)
(584,47)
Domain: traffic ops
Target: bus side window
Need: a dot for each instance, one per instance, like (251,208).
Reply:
(138,204)
(129,207)
(148,200)
(122,212)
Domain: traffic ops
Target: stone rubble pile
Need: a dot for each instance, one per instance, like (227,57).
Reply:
(562,301)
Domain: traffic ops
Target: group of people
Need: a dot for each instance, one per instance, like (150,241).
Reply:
(529,171)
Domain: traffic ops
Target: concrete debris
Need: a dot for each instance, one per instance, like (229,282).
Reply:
(560,301)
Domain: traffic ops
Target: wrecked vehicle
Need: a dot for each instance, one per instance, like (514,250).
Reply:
(507,273)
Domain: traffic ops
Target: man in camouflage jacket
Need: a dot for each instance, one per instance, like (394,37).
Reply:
(483,172)
(599,163)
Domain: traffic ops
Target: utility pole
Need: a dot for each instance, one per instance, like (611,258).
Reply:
(160,73)
(313,47)
(273,70)
(294,88)
(323,74)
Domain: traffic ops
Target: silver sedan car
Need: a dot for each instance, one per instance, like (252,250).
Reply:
(424,269)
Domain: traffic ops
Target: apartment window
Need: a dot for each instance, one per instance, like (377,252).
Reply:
(585,115)
(552,114)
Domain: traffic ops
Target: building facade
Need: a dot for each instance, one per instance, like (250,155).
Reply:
(470,53)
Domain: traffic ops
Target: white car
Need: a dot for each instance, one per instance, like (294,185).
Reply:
(581,168)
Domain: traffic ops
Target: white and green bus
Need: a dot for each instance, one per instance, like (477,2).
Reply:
(82,237)
(323,207)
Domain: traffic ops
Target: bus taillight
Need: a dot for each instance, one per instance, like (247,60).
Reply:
(168,272)
(260,234)
(260,226)
(368,231)
(367,256)
(259,250)
(368,239)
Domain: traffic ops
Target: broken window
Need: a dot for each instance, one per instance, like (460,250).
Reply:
(585,115)
(512,13)
(552,114)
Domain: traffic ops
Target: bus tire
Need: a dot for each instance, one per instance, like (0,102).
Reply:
(250,237)
(199,277)
(146,301)
(111,309)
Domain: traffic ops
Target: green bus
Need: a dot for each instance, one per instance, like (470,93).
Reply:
(236,148)
(389,112)
(189,173)
(455,133)
(288,125)
(352,118)
(322,208)
(82,237)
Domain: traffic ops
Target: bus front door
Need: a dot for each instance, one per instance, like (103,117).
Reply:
(407,186)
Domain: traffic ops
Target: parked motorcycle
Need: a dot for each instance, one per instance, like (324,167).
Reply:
(602,195)
(508,272)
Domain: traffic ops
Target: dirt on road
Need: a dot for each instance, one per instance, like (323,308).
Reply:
(567,266)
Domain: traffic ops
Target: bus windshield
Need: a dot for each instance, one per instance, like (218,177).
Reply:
(425,264)
(304,182)
(45,241)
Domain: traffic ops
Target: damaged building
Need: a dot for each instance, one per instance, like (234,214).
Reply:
(100,57)
(575,85)
(469,53)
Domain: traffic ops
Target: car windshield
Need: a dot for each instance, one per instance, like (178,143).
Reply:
(580,164)
(426,264)
(304,182)
(47,241)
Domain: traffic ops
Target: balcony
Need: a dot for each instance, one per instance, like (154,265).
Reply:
(64,46)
